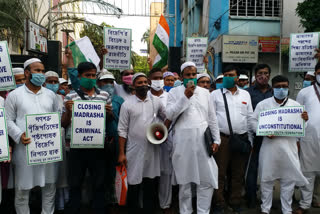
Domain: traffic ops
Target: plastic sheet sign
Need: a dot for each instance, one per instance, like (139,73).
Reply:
(4,142)
(302,51)
(7,81)
(283,121)
(45,133)
(196,49)
(88,124)
(118,43)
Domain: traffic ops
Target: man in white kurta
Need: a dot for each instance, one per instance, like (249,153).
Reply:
(30,98)
(310,144)
(190,160)
(279,158)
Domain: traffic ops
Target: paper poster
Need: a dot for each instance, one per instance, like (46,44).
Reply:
(37,37)
(302,51)
(7,81)
(45,133)
(4,142)
(196,50)
(88,124)
(118,43)
(283,121)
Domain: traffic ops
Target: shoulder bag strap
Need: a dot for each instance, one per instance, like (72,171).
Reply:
(227,111)
(317,92)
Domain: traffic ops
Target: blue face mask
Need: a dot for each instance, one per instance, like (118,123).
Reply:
(108,88)
(19,85)
(167,88)
(306,83)
(280,93)
(37,79)
(219,85)
(52,87)
(62,91)
(177,83)
(228,82)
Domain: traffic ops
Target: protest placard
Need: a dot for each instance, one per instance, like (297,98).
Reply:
(7,81)
(88,124)
(302,51)
(283,121)
(4,142)
(45,133)
(196,50)
(118,43)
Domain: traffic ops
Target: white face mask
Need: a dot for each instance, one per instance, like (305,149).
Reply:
(157,85)
(318,78)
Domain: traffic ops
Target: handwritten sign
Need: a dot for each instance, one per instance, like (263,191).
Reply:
(88,124)
(284,121)
(4,142)
(45,133)
(7,81)
(118,43)
(302,51)
(196,49)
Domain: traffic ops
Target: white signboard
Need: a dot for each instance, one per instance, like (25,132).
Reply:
(88,124)
(196,50)
(283,121)
(7,81)
(118,43)
(302,51)
(45,133)
(4,142)
(37,37)
(240,49)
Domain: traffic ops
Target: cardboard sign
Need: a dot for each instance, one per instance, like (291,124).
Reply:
(7,81)
(302,51)
(4,142)
(118,43)
(283,121)
(88,124)
(45,133)
(196,49)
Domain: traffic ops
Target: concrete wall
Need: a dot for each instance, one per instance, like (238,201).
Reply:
(252,26)
(172,22)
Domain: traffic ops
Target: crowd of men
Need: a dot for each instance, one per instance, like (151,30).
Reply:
(190,105)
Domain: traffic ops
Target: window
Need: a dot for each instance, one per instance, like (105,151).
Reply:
(257,8)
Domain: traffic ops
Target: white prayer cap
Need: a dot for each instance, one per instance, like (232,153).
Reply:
(122,70)
(17,71)
(311,73)
(253,79)
(243,77)
(187,64)
(51,74)
(136,75)
(30,61)
(69,81)
(62,80)
(199,76)
(219,77)
(105,75)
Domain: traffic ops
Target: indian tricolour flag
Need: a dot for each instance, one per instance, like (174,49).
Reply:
(161,43)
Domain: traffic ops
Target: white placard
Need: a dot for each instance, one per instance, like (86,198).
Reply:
(283,121)
(118,43)
(88,124)
(7,81)
(45,133)
(196,50)
(4,142)
(302,51)
(240,49)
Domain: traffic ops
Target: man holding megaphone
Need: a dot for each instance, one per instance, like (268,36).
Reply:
(191,110)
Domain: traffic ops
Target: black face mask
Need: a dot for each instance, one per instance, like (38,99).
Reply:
(142,91)
(127,88)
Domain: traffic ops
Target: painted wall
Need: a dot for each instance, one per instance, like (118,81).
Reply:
(217,10)
(250,26)
(171,21)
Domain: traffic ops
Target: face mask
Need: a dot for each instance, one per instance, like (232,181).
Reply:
(157,85)
(228,82)
(177,83)
(306,83)
(142,91)
(318,78)
(87,83)
(219,85)
(167,88)
(108,88)
(52,87)
(62,91)
(19,85)
(185,81)
(280,93)
(127,79)
(37,79)
(262,80)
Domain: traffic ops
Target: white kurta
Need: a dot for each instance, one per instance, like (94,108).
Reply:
(191,163)
(119,90)
(278,156)
(143,158)
(310,144)
(20,102)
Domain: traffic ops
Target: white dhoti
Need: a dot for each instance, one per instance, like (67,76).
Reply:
(307,190)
